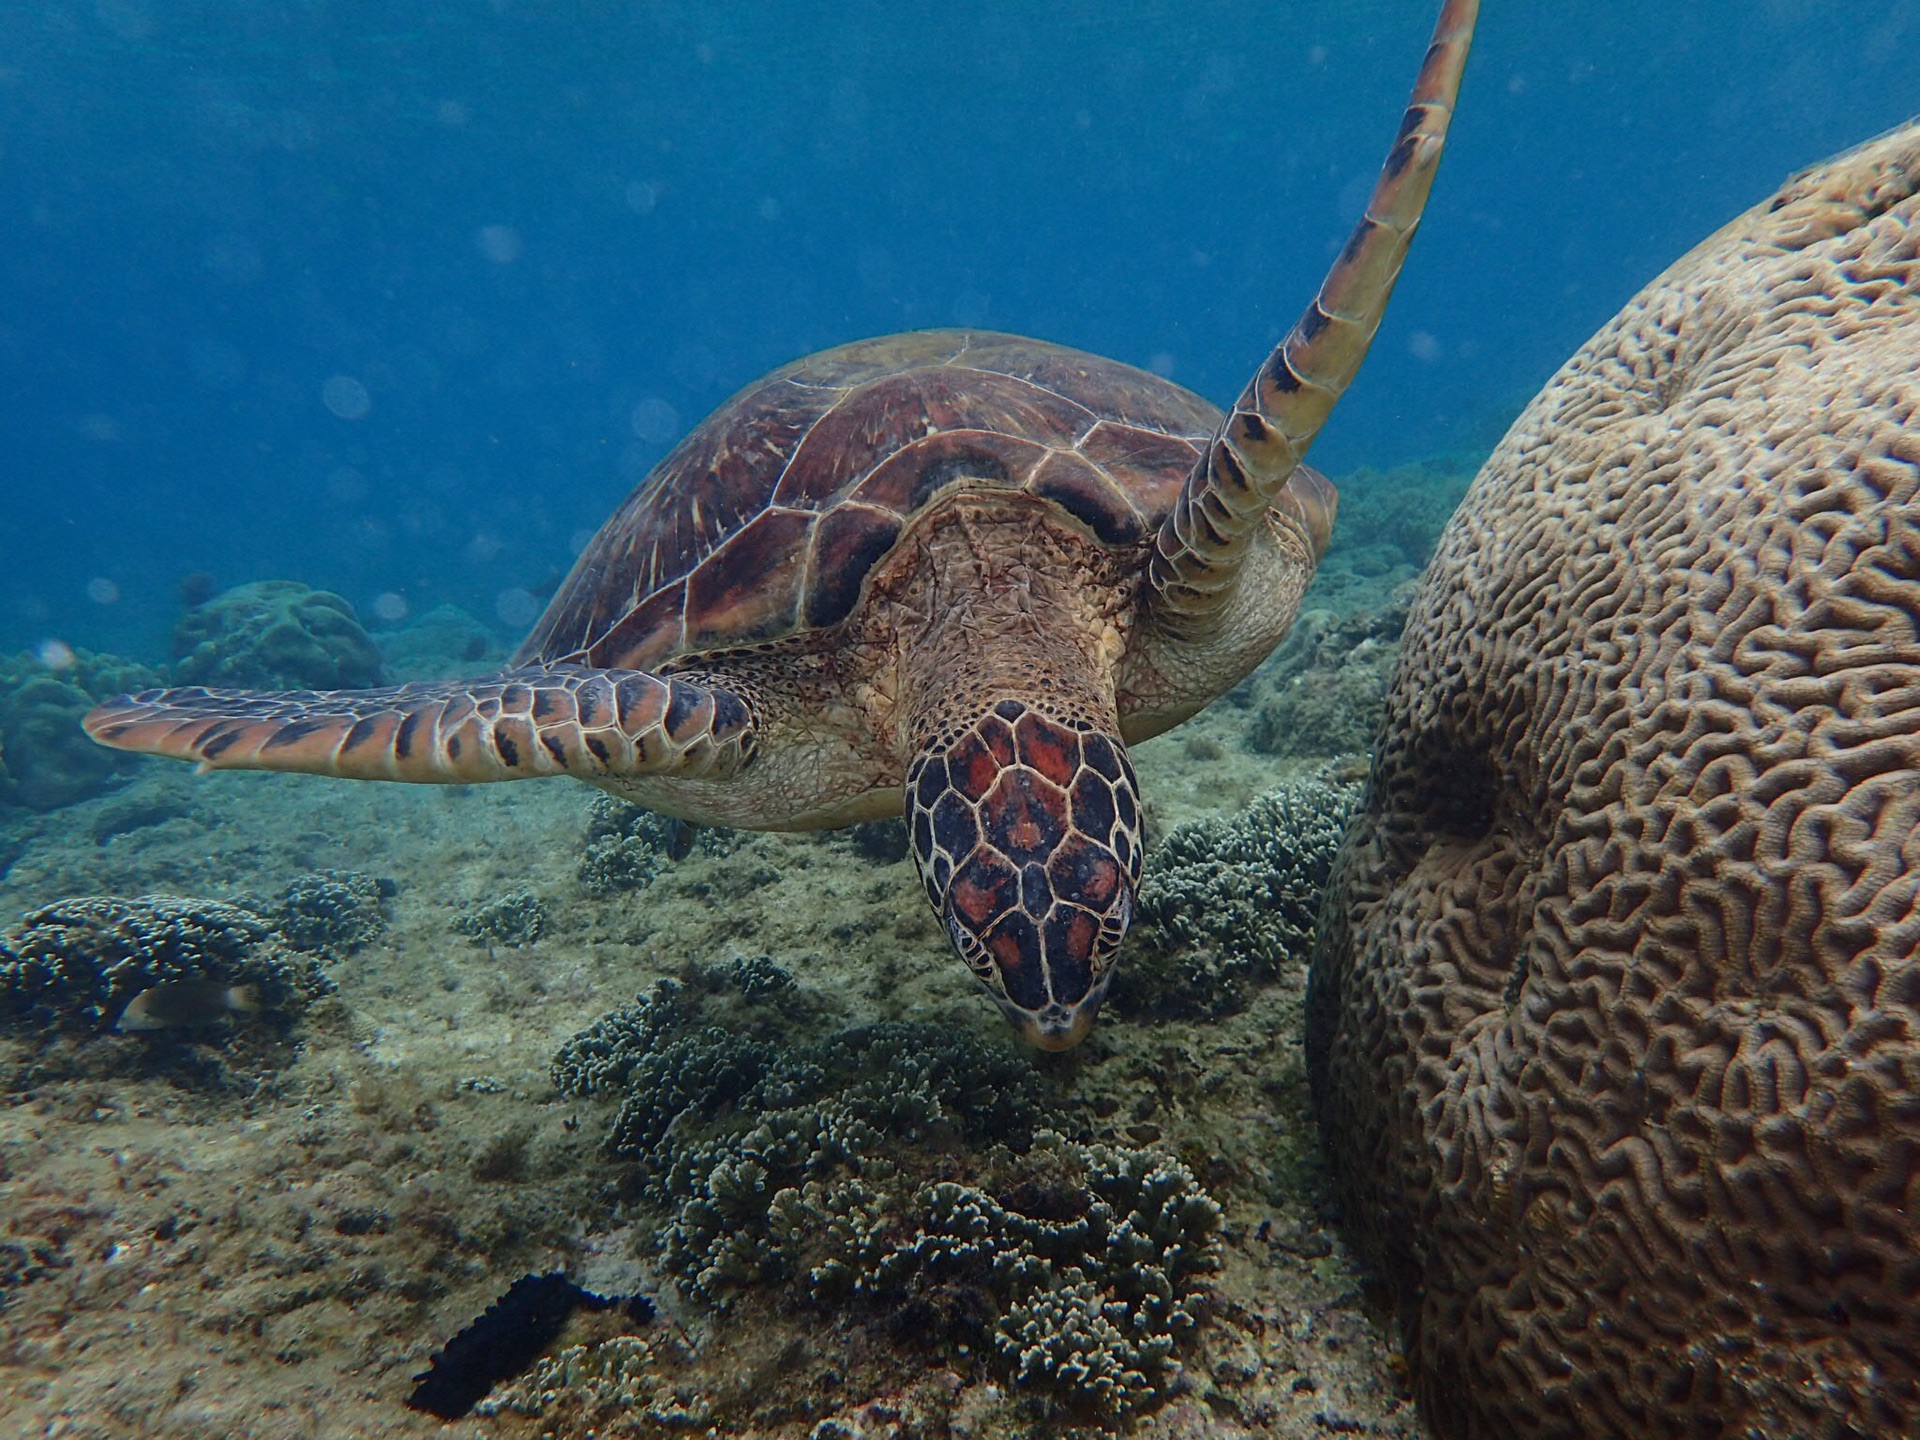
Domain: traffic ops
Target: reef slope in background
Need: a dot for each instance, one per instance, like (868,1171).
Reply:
(267,1228)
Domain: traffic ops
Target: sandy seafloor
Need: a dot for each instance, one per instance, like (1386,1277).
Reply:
(203,1261)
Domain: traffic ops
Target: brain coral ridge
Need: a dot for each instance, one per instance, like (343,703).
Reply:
(1615,1021)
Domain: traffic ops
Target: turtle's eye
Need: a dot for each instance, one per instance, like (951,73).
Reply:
(969,947)
(1113,929)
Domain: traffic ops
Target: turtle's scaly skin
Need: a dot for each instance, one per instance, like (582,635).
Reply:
(978,563)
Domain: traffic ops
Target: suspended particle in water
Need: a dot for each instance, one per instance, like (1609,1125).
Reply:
(346,397)
(642,196)
(55,654)
(1423,346)
(655,420)
(516,607)
(499,243)
(390,606)
(103,591)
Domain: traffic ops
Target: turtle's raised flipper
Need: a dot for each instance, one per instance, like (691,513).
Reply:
(559,720)
(1249,469)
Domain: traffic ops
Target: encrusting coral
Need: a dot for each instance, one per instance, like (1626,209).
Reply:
(1225,902)
(275,633)
(46,759)
(900,1167)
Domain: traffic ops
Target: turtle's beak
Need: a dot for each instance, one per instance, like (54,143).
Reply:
(1058,1027)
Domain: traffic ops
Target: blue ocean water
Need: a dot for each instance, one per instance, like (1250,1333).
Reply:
(400,298)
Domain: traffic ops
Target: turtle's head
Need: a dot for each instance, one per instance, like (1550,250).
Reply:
(1027,834)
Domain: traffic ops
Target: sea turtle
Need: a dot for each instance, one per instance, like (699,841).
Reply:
(973,563)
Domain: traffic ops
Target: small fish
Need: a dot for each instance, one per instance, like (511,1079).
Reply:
(680,837)
(186,1002)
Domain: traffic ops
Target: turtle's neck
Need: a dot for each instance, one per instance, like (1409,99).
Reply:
(1005,607)
(1022,808)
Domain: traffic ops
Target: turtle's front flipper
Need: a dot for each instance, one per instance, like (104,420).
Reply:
(559,720)
(1252,467)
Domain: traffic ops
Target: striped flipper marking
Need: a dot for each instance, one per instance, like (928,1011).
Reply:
(557,720)
(1250,466)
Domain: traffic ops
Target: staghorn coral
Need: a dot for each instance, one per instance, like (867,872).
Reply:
(76,964)
(1224,903)
(1615,1024)
(275,634)
(332,912)
(822,1170)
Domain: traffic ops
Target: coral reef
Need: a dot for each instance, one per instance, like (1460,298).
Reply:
(519,917)
(628,846)
(1614,1024)
(624,1385)
(1224,903)
(332,912)
(275,635)
(75,965)
(1323,694)
(444,643)
(824,1171)
(46,759)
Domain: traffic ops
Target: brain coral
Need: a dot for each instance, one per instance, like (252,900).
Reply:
(1615,1023)
(275,634)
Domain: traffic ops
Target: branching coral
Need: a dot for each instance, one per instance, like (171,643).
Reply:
(76,964)
(628,847)
(516,918)
(1225,903)
(826,1169)
(333,912)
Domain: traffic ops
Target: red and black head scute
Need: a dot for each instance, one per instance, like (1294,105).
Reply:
(1027,835)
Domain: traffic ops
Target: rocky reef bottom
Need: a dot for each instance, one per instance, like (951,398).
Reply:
(739,1076)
